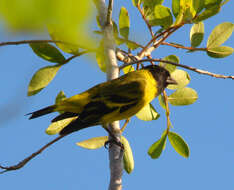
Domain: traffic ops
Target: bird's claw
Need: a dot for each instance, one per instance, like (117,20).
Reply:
(111,142)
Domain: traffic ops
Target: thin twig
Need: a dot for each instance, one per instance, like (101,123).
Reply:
(183,47)
(26,160)
(45,41)
(165,36)
(156,44)
(203,72)
(34,41)
(146,21)
(74,56)
(28,41)
(156,37)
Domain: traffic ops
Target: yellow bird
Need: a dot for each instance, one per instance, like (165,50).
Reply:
(110,101)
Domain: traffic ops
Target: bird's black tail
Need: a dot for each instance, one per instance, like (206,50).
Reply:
(41,112)
(75,125)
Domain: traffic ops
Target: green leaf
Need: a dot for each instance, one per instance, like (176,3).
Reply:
(163,16)
(220,34)
(171,58)
(210,3)
(187,9)
(162,101)
(115,29)
(175,7)
(56,127)
(148,113)
(98,22)
(100,57)
(47,52)
(136,2)
(42,78)
(198,5)
(128,156)
(179,144)
(151,3)
(148,6)
(181,77)
(93,143)
(209,12)
(119,41)
(197,34)
(131,45)
(124,22)
(148,10)
(183,96)
(156,149)
(179,18)
(220,52)
(60,97)
(70,38)
(33,15)
(224,2)
(128,69)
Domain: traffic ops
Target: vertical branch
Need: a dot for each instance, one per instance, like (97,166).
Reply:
(115,152)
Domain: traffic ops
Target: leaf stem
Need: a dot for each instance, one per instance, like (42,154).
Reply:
(167,111)
(183,47)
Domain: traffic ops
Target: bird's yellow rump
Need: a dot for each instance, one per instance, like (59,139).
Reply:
(110,101)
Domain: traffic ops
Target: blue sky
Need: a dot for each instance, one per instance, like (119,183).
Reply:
(207,125)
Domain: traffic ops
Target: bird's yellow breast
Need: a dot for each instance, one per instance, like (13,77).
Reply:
(148,87)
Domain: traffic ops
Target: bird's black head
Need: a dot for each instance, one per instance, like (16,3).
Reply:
(162,76)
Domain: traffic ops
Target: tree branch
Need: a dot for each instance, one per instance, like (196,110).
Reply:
(27,159)
(203,72)
(109,12)
(147,50)
(29,41)
(44,41)
(115,151)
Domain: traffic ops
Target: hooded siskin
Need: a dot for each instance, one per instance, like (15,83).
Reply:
(110,101)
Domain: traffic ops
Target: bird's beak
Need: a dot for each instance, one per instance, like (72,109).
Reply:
(170,80)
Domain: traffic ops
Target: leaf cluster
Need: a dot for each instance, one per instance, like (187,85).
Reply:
(162,22)
(155,14)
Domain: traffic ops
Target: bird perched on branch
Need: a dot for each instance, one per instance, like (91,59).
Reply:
(110,101)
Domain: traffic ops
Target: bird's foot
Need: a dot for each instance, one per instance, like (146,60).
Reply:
(109,143)
(113,140)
